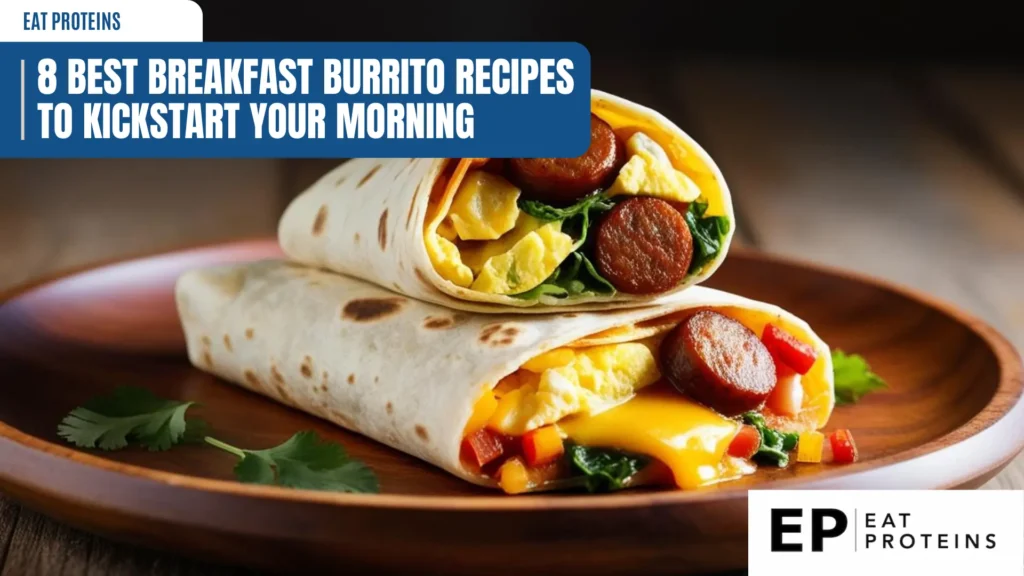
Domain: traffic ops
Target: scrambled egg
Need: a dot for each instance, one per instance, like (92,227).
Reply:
(528,263)
(476,254)
(448,261)
(650,172)
(484,207)
(564,382)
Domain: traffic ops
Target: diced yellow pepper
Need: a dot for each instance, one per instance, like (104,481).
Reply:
(550,359)
(506,405)
(482,411)
(513,477)
(809,446)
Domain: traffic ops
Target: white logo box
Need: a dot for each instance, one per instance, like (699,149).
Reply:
(905,532)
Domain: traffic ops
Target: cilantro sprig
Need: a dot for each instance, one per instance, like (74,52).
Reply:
(125,416)
(132,416)
(853,377)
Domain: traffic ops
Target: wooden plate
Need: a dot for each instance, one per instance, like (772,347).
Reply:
(952,418)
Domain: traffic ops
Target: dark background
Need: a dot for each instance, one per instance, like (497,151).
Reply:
(912,32)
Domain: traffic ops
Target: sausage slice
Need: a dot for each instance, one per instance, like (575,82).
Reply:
(563,181)
(643,246)
(718,362)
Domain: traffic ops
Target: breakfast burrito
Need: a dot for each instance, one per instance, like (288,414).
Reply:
(661,395)
(642,213)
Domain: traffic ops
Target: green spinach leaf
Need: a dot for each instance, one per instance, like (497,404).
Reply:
(603,470)
(708,234)
(775,445)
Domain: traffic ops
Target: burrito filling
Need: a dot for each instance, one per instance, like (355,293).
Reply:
(690,400)
(627,216)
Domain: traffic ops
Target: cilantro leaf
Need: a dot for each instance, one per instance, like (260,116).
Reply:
(306,461)
(775,445)
(127,415)
(603,470)
(853,377)
(708,234)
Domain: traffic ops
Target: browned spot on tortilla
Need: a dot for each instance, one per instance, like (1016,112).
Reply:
(276,374)
(438,322)
(249,333)
(422,277)
(253,379)
(382,229)
(570,315)
(376,379)
(314,284)
(340,181)
(323,386)
(320,220)
(368,176)
(227,343)
(389,408)
(206,341)
(488,331)
(208,359)
(356,237)
(408,216)
(307,367)
(422,432)
(371,309)
(498,335)
(351,378)
(412,160)
(284,394)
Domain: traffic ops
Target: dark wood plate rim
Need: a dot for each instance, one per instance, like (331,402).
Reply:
(1007,417)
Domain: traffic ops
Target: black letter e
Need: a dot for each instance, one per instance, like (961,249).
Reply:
(778,528)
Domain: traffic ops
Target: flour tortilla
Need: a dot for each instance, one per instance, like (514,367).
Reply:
(365,218)
(403,372)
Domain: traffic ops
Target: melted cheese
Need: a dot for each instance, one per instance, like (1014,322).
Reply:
(650,172)
(661,423)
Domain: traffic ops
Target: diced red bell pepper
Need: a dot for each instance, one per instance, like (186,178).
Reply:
(844,451)
(746,443)
(785,348)
(481,447)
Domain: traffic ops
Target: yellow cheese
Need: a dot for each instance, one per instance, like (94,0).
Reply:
(527,264)
(649,172)
(688,438)
(595,379)
(484,207)
(550,359)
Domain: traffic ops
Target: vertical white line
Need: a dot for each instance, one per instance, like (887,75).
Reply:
(22,99)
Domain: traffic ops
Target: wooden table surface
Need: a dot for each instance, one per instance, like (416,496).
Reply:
(916,176)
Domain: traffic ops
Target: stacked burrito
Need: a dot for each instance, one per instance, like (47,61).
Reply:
(527,324)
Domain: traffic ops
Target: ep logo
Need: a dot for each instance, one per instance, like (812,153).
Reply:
(822,523)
